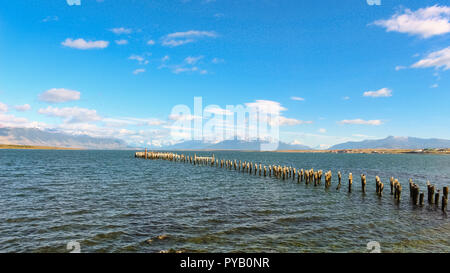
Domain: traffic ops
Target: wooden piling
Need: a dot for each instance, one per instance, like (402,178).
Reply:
(436,197)
(328,179)
(397,190)
(339,180)
(350,181)
(421,199)
(430,189)
(363,183)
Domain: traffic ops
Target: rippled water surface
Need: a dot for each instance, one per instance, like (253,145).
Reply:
(109,201)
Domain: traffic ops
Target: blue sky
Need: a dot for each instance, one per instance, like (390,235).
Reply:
(342,70)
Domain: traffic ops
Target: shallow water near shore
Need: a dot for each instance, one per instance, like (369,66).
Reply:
(109,201)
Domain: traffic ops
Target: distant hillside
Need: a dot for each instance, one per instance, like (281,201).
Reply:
(393,142)
(231,145)
(36,137)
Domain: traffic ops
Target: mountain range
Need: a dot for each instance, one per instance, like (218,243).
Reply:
(37,137)
(233,144)
(394,142)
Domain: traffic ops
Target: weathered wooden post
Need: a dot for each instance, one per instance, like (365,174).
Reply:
(445,192)
(327,179)
(416,191)
(421,199)
(436,198)
(339,180)
(398,190)
(430,189)
(265,171)
(145,153)
(380,188)
(363,183)
(350,181)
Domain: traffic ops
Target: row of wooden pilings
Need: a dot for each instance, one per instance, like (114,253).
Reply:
(308,176)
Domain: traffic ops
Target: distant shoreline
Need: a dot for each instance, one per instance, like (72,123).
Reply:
(32,147)
(373,151)
(343,151)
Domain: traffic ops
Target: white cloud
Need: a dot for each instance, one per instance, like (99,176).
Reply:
(3,107)
(296,142)
(121,42)
(322,130)
(71,114)
(266,106)
(425,22)
(434,85)
(121,30)
(83,44)
(399,67)
(361,122)
(283,121)
(174,43)
(193,60)
(383,92)
(274,109)
(56,95)
(138,71)
(181,38)
(50,18)
(297,98)
(436,59)
(73,2)
(165,58)
(22,108)
(151,42)
(192,33)
(140,59)
(346,98)
(179,69)
(13,121)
